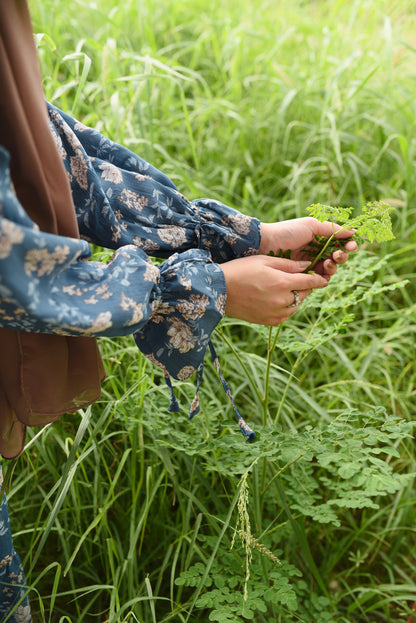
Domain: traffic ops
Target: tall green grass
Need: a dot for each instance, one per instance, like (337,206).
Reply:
(127,513)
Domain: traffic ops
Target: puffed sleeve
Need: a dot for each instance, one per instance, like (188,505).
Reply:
(47,285)
(187,304)
(121,199)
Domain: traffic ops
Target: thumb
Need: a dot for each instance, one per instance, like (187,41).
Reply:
(288,266)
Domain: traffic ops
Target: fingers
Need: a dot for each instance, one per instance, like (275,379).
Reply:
(285,313)
(287,266)
(302,294)
(340,257)
(306,281)
(299,280)
(295,298)
(351,245)
(329,268)
(327,229)
(260,289)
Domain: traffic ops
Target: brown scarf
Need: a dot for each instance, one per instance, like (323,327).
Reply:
(41,376)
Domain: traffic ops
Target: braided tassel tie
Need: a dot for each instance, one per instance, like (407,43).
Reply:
(249,434)
(173,404)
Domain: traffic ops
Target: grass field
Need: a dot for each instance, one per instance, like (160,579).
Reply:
(125,512)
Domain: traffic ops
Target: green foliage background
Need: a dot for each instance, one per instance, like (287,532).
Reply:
(127,513)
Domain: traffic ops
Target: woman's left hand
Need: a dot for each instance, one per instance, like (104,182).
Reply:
(296,235)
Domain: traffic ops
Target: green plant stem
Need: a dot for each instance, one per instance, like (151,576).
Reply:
(292,374)
(285,391)
(241,362)
(271,345)
(321,252)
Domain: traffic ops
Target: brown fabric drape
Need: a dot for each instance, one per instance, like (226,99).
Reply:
(41,376)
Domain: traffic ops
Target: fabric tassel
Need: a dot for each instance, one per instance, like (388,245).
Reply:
(247,432)
(173,404)
(195,408)
(245,429)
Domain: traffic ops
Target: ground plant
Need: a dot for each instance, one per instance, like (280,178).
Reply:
(125,512)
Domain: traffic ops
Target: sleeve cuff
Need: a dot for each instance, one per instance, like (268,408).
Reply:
(187,305)
(225,232)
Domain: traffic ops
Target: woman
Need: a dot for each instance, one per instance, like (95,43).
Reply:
(60,181)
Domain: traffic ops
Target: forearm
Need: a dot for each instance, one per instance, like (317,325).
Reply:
(47,285)
(121,199)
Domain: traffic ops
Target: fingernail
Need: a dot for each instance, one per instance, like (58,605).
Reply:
(303,263)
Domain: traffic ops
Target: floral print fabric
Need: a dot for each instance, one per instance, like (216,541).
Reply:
(121,199)
(48,283)
(14,603)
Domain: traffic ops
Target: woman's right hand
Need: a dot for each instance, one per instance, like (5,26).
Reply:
(260,287)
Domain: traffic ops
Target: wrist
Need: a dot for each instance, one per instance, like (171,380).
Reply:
(267,242)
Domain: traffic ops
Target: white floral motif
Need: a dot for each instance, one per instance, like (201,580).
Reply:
(56,120)
(133,200)
(79,168)
(60,254)
(10,234)
(185,372)
(152,273)
(129,303)
(157,363)
(194,404)
(103,291)
(186,309)
(180,335)
(102,322)
(58,142)
(91,301)
(173,235)
(241,223)
(161,309)
(22,614)
(7,560)
(115,233)
(194,308)
(80,127)
(147,245)
(139,177)
(186,283)
(110,173)
(72,290)
(220,303)
(43,262)
(200,302)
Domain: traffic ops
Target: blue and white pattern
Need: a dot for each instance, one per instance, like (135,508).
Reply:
(48,284)
(14,603)
(123,203)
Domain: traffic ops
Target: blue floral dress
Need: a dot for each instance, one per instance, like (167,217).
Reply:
(47,284)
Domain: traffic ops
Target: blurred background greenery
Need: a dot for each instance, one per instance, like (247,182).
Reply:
(266,106)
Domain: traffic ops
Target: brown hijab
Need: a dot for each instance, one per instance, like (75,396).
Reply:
(41,376)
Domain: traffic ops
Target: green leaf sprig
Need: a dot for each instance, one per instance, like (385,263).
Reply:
(373,224)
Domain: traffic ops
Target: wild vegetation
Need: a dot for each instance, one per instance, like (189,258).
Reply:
(125,512)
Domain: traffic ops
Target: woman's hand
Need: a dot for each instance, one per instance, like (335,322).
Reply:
(296,235)
(260,288)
